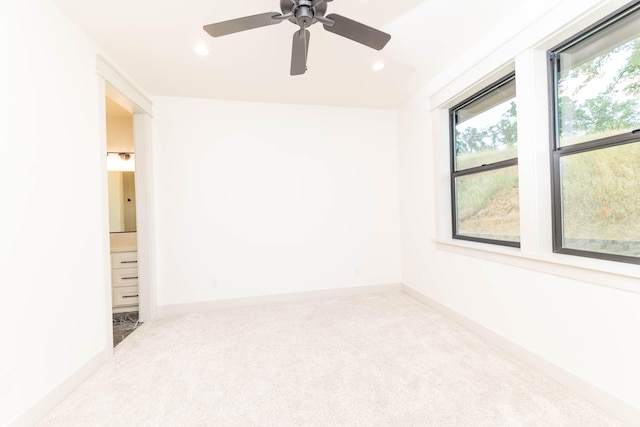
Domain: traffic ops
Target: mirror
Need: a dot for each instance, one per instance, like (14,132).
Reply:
(122,202)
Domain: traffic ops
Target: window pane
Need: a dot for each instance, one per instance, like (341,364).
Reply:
(599,84)
(601,200)
(486,129)
(488,205)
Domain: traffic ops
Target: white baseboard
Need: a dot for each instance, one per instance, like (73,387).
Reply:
(608,402)
(57,395)
(213,305)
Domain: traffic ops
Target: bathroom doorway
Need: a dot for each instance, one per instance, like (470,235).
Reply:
(123,243)
(135,248)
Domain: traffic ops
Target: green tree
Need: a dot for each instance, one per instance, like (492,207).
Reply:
(616,107)
(596,115)
(505,132)
(602,113)
(470,140)
(502,134)
(628,77)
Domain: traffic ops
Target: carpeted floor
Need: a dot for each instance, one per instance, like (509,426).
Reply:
(375,360)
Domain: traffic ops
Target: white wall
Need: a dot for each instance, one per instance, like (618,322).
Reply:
(270,199)
(581,315)
(54,239)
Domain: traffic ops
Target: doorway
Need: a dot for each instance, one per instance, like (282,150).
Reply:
(123,242)
(131,285)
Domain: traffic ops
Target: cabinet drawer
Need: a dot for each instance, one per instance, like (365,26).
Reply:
(125,296)
(124,277)
(124,259)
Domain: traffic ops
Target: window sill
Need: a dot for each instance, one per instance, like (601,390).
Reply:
(600,272)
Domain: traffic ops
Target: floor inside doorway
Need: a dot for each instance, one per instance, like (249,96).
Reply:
(123,325)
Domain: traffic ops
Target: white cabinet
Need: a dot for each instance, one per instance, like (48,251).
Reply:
(124,281)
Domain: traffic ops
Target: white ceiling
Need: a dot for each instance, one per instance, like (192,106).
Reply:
(153,40)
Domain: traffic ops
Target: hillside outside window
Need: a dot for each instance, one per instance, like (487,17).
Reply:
(484,165)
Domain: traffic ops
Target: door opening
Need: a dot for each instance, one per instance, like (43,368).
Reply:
(126,95)
(123,243)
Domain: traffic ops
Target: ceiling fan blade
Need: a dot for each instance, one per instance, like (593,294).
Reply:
(242,24)
(299,52)
(357,32)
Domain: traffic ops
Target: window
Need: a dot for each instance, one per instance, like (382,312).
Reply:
(484,166)
(596,144)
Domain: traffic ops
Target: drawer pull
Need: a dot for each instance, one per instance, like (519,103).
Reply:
(129,296)
(129,278)
(128,262)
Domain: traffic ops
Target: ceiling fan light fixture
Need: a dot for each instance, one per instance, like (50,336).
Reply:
(201,49)
(377,66)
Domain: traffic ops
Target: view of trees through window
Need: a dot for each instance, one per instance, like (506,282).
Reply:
(599,97)
(485,137)
(488,138)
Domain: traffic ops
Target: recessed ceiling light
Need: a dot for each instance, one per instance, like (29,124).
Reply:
(377,66)
(201,49)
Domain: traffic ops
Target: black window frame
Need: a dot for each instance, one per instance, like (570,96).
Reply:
(558,152)
(477,169)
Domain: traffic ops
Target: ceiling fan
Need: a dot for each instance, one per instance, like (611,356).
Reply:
(303,13)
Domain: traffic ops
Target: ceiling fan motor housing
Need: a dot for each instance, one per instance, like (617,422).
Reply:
(304,13)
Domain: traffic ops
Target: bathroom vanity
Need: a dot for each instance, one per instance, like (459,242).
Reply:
(124,278)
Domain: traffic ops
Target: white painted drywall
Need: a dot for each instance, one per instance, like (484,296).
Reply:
(52,251)
(271,198)
(586,329)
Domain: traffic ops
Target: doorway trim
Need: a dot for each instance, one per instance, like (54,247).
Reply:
(121,89)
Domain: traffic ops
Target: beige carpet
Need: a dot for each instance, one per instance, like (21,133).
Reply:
(375,360)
